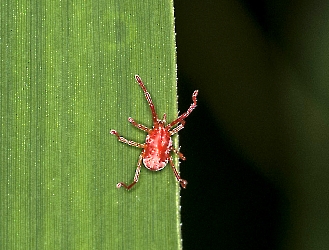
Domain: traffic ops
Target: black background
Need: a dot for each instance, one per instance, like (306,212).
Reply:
(229,202)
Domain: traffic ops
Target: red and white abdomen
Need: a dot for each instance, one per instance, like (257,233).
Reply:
(158,146)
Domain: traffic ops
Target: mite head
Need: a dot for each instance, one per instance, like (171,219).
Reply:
(163,121)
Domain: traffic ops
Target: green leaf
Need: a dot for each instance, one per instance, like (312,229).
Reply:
(67,79)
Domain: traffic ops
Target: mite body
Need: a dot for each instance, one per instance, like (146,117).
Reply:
(158,145)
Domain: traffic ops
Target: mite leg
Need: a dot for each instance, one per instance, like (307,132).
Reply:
(124,140)
(137,125)
(180,155)
(187,113)
(182,182)
(136,177)
(178,128)
(148,98)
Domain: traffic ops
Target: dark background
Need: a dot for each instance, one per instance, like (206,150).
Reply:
(257,144)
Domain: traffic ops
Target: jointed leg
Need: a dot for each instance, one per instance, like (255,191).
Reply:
(136,177)
(124,140)
(180,155)
(187,113)
(182,182)
(178,128)
(148,98)
(137,125)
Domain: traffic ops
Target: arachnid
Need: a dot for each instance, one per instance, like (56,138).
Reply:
(158,145)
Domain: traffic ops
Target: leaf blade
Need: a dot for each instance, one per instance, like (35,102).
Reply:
(72,68)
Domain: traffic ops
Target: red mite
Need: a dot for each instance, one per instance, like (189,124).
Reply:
(158,144)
